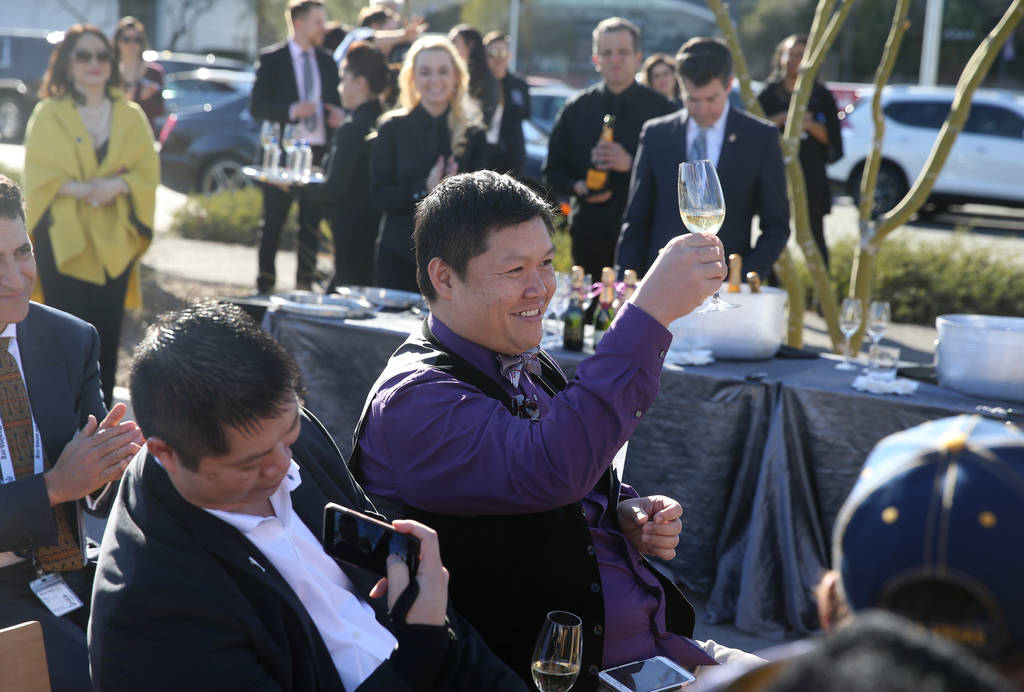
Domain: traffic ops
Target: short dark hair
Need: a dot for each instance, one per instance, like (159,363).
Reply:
(202,369)
(615,24)
(370,16)
(57,80)
(300,8)
(364,59)
(456,219)
(335,34)
(702,59)
(12,205)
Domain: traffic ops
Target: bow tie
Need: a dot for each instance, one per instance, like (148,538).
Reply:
(512,366)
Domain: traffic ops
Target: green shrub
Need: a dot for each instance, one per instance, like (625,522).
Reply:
(230,216)
(922,280)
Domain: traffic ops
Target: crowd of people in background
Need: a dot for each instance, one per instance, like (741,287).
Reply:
(211,574)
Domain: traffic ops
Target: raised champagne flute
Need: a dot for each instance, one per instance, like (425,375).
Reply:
(850,317)
(702,206)
(556,657)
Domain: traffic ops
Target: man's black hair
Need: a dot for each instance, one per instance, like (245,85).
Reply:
(12,205)
(702,59)
(208,367)
(456,219)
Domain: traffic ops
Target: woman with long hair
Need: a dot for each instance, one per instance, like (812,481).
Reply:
(365,77)
(659,73)
(141,81)
(483,87)
(821,141)
(435,132)
(90,179)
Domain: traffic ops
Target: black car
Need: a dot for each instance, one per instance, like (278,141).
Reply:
(204,149)
(24,56)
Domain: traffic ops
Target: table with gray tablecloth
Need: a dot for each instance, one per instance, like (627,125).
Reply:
(760,455)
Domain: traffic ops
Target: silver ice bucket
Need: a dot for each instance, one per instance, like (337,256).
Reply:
(754,332)
(981,355)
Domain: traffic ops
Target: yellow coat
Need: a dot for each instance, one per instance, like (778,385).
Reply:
(92,243)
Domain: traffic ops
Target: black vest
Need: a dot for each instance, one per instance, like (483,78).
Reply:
(508,571)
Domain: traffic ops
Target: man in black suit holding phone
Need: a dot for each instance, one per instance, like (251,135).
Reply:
(297,83)
(744,149)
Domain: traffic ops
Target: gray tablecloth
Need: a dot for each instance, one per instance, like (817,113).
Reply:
(760,454)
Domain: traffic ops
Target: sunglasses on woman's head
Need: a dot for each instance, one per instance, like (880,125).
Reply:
(86,56)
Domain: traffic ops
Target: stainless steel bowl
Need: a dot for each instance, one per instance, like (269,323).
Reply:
(754,332)
(981,355)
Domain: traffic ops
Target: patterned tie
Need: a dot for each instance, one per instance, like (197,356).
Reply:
(512,366)
(307,88)
(699,150)
(16,415)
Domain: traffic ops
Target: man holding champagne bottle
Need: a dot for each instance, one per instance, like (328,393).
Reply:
(475,431)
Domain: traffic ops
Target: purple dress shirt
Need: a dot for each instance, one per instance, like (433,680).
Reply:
(450,449)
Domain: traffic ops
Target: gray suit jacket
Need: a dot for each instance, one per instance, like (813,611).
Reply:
(60,361)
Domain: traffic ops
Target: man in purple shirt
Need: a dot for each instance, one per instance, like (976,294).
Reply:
(473,431)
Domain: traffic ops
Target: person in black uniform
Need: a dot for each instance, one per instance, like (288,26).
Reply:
(364,76)
(821,142)
(483,86)
(434,133)
(508,153)
(573,147)
(296,82)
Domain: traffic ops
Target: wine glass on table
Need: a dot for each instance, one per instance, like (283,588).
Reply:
(556,657)
(877,323)
(269,134)
(850,317)
(702,207)
(290,144)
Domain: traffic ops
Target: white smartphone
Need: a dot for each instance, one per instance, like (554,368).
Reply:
(657,674)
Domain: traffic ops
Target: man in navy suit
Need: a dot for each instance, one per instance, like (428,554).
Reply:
(744,149)
(60,454)
(297,83)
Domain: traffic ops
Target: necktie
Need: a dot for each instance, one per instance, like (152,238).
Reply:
(699,150)
(307,89)
(16,415)
(511,367)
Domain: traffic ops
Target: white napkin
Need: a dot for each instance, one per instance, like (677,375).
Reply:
(899,385)
(691,356)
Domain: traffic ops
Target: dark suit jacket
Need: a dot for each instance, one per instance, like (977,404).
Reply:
(275,89)
(753,181)
(59,358)
(178,603)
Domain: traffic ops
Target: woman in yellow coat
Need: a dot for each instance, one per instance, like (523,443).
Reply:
(90,177)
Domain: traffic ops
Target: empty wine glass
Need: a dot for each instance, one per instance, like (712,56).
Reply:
(702,207)
(290,144)
(270,132)
(556,657)
(877,322)
(850,317)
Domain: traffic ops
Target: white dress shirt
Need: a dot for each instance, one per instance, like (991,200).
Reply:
(318,135)
(715,135)
(356,641)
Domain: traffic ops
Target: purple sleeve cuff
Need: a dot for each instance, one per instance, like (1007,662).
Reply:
(633,327)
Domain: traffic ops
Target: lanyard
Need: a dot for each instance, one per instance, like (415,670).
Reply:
(7,465)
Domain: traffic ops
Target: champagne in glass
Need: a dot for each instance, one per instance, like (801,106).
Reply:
(269,132)
(702,208)
(556,657)
(877,323)
(849,322)
(290,144)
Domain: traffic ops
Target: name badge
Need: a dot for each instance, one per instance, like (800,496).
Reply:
(55,594)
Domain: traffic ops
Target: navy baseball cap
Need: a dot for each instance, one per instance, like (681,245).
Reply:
(934,530)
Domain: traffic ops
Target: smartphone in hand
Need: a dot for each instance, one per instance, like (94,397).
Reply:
(365,542)
(657,674)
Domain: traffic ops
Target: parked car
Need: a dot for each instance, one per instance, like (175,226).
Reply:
(183,62)
(204,149)
(984,165)
(545,102)
(24,55)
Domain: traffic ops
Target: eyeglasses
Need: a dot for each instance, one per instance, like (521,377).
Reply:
(130,39)
(497,52)
(85,56)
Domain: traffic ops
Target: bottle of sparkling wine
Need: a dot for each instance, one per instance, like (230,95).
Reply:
(754,281)
(605,312)
(735,272)
(572,332)
(597,179)
(629,279)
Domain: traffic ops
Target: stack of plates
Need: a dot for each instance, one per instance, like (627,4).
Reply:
(390,299)
(981,355)
(320,305)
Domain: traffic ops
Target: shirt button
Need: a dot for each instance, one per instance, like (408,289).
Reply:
(598,630)
(638,413)
(595,587)
(592,670)
(583,511)
(661,353)
(590,550)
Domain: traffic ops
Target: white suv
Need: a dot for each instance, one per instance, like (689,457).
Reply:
(986,163)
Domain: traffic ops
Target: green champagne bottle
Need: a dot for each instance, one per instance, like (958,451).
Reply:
(572,320)
(605,312)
